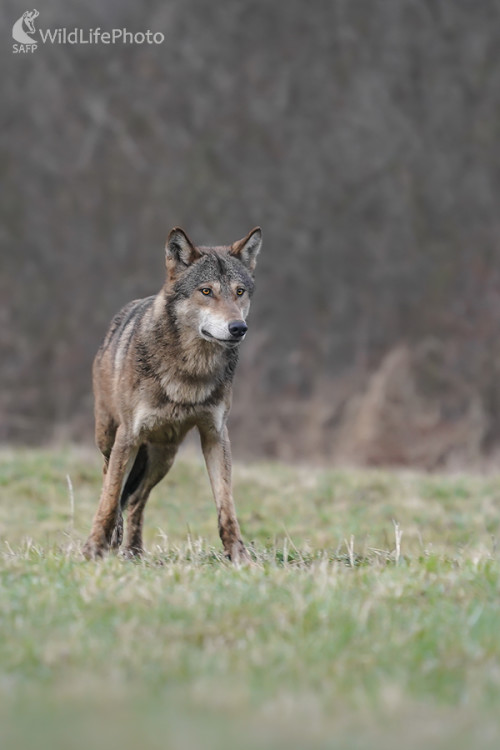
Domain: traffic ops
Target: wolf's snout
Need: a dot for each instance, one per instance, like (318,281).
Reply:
(237,328)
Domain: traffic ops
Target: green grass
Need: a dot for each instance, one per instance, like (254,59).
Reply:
(334,639)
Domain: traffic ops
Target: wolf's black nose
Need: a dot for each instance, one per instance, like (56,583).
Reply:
(237,328)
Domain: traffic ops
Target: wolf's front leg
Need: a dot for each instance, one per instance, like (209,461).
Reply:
(217,453)
(108,511)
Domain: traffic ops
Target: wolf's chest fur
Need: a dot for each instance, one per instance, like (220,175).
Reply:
(168,410)
(169,422)
(181,391)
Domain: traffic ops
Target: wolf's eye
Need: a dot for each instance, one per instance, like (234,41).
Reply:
(206,291)
(240,291)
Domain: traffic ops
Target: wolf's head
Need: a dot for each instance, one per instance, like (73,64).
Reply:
(211,287)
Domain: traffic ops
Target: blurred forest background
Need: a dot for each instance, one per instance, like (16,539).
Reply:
(364,137)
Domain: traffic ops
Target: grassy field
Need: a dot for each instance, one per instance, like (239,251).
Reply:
(370,619)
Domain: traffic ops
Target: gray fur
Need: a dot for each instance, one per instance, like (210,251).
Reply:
(166,366)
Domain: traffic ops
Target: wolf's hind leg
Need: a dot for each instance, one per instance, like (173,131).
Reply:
(158,462)
(105,433)
(134,479)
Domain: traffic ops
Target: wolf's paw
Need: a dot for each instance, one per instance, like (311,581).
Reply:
(94,549)
(238,554)
(132,552)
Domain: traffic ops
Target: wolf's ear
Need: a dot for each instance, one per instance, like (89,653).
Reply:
(248,248)
(179,251)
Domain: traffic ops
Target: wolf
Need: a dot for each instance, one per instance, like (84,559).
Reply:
(166,366)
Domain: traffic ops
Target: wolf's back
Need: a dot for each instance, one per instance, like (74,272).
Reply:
(122,329)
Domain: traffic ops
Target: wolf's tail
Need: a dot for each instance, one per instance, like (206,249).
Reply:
(137,474)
